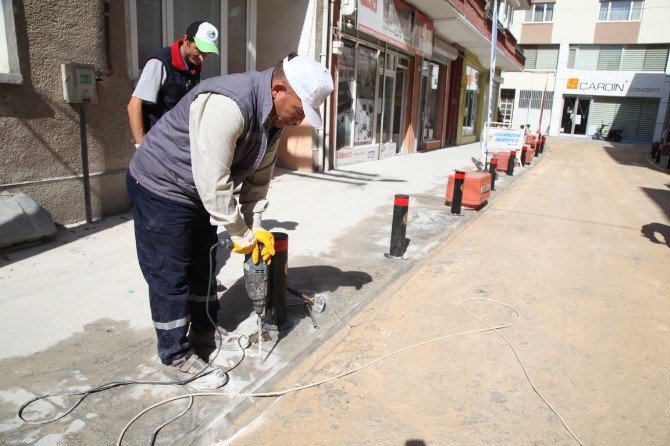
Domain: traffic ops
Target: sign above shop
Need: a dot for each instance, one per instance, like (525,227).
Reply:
(397,23)
(614,83)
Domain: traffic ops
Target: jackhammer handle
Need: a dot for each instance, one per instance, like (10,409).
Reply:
(300,294)
(226,243)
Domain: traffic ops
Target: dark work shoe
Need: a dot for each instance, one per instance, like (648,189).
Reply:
(186,368)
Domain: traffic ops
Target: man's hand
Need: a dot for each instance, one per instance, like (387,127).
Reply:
(262,244)
(248,249)
(268,241)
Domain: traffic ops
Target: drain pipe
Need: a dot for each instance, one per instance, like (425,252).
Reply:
(84,163)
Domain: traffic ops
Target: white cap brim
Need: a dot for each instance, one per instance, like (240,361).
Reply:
(313,116)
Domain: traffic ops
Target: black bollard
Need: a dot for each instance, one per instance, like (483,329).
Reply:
(658,155)
(457,198)
(668,166)
(510,163)
(540,143)
(399,225)
(654,148)
(275,309)
(524,151)
(492,171)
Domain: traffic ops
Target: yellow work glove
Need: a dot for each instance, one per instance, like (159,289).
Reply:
(249,249)
(266,239)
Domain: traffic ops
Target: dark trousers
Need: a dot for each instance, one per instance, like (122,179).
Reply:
(173,244)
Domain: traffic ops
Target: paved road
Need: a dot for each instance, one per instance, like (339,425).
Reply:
(580,247)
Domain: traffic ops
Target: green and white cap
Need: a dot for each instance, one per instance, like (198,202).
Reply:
(205,35)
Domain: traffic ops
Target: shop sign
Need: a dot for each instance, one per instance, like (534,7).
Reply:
(504,139)
(355,155)
(397,23)
(616,83)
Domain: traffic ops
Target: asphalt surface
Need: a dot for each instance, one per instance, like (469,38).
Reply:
(579,247)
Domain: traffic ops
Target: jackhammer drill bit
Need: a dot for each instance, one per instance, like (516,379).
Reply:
(256,284)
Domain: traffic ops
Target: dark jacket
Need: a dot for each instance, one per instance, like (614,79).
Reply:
(179,81)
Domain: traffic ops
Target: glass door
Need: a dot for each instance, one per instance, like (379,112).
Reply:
(399,107)
(575,115)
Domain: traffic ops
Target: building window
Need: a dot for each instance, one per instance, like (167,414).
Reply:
(533,99)
(609,57)
(156,24)
(618,57)
(10,71)
(541,57)
(540,12)
(471,99)
(621,10)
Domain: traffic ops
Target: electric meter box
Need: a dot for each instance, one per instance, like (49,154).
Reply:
(79,82)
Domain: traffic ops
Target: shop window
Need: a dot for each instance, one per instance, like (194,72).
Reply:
(366,75)
(430,96)
(540,12)
(620,10)
(156,24)
(471,100)
(345,95)
(9,61)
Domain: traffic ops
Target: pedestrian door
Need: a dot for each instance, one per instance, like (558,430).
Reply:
(575,115)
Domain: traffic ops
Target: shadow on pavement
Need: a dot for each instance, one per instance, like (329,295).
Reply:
(628,154)
(659,196)
(236,305)
(652,230)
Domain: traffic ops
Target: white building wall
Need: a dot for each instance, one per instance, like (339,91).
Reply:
(655,26)
(575,21)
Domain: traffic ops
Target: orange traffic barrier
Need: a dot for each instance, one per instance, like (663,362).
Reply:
(476,189)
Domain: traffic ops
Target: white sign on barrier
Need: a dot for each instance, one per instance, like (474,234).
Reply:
(504,139)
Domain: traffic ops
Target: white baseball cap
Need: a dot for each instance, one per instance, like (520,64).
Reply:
(204,34)
(312,82)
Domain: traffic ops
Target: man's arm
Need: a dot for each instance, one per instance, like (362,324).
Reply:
(135,119)
(152,78)
(215,124)
(255,188)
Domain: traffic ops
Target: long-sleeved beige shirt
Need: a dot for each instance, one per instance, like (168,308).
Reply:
(215,124)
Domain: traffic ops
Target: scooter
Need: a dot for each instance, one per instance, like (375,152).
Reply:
(598,135)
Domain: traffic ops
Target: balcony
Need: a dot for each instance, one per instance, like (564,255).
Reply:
(465,23)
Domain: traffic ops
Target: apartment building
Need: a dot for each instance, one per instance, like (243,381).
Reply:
(591,65)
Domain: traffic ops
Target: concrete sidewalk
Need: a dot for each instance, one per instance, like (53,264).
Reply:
(75,311)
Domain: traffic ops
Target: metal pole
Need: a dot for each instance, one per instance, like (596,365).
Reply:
(492,170)
(84,163)
(275,311)
(510,163)
(457,198)
(399,226)
(492,73)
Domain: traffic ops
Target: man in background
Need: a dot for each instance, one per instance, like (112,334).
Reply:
(168,75)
